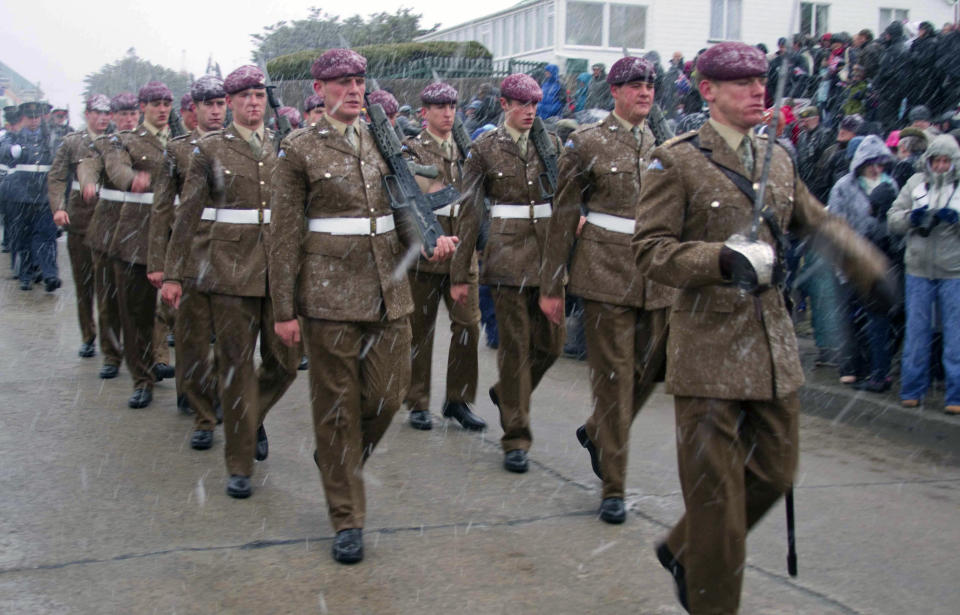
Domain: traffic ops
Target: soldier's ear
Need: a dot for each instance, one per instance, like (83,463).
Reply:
(318,88)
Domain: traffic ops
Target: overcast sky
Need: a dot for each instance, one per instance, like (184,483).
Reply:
(57,43)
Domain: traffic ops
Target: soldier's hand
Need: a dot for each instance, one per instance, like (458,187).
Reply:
(459,292)
(748,264)
(552,308)
(171,292)
(141,182)
(156,278)
(288,331)
(61,218)
(446,245)
(89,193)
(583,220)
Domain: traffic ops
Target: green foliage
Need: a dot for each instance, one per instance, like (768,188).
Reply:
(130,73)
(385,59)
(322,31)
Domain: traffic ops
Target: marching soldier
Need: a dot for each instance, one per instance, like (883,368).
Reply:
(312,109)
(188,113)
(196,380)
(601,170)
(71,211)
(228,183)
(430,282)
(505,167)
(733,364)
(12,123)
(28,155)
(332,261)
(134,165)
(124,114)
(390,106)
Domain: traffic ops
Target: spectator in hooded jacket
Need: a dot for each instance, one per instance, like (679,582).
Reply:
(927,212)
(889,85)
(554,94)
(599,97)
(866,360)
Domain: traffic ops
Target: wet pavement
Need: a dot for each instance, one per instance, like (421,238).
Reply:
(107,509)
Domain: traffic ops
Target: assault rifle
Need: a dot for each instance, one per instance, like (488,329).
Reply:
(548,154)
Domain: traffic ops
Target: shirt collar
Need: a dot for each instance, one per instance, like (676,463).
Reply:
(627,125)
(732,136)
(157,132)
(341,127)
(439,141)
(515,134)
(246,133)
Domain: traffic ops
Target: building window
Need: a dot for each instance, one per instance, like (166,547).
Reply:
(725,20)
(584,23)
(549,26)
(813,18)
(628,26)
(539,26)
(888,16)
(518,44)
(531,36)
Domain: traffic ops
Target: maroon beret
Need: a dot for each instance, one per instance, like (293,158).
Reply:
(386,100)
(186,102)
(98,102)
(155,90)
(522,88)
(292,115)
(207,87)
(244,78)
(439,93)
(731,60)
(124,101)
(630,69)
(336,63)
(312,102)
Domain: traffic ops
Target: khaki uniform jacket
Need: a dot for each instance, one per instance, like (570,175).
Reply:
(74,148)
(130,153)
(495,170)
(166,205)
(225,174)
(350,278)
(724,343)
(106,212)
(425,150)
(601,167)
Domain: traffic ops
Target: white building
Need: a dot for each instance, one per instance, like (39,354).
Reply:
(576,33)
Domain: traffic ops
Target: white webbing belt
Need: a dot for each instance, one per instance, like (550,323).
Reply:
(32,168)
(353,226)
(617,224)
(141,198)
(75,186)
(450,211)
(236,216)
(537,210)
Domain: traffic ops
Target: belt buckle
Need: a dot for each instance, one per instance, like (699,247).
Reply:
(373,225)
(532,216)
(259,216)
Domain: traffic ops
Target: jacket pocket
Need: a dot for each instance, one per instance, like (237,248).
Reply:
(722,299)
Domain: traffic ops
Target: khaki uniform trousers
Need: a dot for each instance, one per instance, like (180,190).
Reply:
(626,350)
(736,459)
(164,323)
(108,309)
(195,366)
(247,394)
(84,280)
(529,344)
(358,377)
(138,309)
(428,289)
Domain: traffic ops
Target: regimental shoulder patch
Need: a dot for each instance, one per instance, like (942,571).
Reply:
(282,153)
(569,143)
(655,165)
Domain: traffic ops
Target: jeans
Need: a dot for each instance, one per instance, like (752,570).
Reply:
(923,295)
(867,351)
(817,281)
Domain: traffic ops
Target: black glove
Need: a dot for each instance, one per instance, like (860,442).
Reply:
(881,199)
(748,264)
(917,215)
(946,215)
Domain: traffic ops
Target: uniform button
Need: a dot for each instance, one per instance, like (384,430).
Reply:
(499,174)
(529,183)
(264,203)
(327,175)
(715,204)
(372,210)
(613,169)
(143,157)
(367,185)
(262,182)
(361,163)
(532,202)
(260,163)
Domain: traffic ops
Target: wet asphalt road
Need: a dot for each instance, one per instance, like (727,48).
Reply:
(105,509)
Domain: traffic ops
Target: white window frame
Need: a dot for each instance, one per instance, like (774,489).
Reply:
(726,34)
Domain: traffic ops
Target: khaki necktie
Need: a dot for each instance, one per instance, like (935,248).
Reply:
(636,133)
(522,145)
(255,146)
(745,151)
(447,150)
(350,134)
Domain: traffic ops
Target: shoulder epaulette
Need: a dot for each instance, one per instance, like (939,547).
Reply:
(679,138)
(299,132)
(180,138)
(211,134)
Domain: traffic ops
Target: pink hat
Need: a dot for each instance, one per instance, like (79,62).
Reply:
(336,63)
(522,88)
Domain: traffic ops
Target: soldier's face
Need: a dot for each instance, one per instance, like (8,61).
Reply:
(32,123)
(343,97)
(248,107)
(632,101)
(738,103)
(210,114)
(518,115)
(126,119)
(314,115)
(189,117)
(97,121)
(440,118)
(157,112)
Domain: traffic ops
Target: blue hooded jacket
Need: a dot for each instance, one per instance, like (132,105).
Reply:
(553,95)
